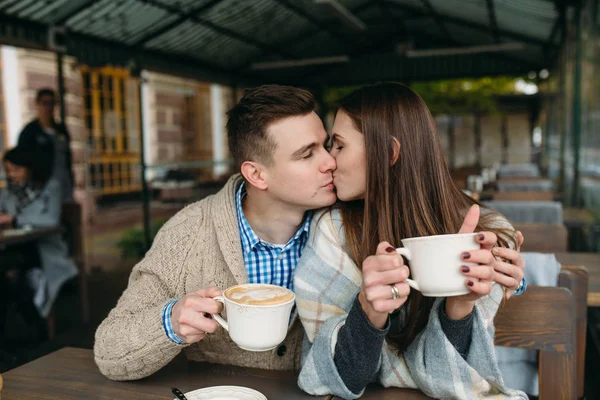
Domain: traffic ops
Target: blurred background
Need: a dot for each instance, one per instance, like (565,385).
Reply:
(143,87)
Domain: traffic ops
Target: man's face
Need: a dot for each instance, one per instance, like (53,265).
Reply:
(45,107)
(301,172)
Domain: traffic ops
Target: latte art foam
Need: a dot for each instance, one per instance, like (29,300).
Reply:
(259,295)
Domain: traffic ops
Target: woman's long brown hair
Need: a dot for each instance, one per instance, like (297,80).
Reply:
(415,196)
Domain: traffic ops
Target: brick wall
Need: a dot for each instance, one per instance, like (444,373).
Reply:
(169,128)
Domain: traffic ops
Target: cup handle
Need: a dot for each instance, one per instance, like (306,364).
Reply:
(217,317)
(403,251)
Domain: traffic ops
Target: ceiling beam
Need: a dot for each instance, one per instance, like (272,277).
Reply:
(175,23)
(70,10)
(493,22)
(265,47)
(302,36)
(381,43)
(438,19)
(466,23)
(299,11)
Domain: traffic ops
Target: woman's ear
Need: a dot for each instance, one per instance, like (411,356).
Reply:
(395,151)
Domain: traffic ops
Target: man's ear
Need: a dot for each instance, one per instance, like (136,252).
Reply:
(395,151)
(255,174)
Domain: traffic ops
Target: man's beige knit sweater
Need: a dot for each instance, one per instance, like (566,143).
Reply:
(199,247)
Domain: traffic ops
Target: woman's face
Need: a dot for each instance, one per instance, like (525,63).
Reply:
(15,173)
(348,149)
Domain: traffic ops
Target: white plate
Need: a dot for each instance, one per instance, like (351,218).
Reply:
(225,393)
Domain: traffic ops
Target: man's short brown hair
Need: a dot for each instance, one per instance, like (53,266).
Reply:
(250,119)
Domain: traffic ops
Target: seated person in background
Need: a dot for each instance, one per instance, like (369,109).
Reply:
(363,322)
(30,201)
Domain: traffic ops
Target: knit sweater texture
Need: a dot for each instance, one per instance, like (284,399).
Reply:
(197,248)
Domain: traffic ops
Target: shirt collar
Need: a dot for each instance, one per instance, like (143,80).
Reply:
(249,237)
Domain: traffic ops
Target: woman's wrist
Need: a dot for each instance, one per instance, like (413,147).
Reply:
(457,309)
(378,320)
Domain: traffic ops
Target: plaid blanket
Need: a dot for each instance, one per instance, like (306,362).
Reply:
(326,283)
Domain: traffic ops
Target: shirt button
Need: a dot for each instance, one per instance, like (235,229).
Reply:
(281,350)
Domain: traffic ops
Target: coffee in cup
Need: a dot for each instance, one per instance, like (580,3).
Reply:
(258,315)
(259,295)
(435,263)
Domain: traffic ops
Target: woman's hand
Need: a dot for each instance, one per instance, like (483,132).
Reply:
(510,267)
(384,286)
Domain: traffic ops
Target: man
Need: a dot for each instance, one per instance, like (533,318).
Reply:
(253,230)
(49,141)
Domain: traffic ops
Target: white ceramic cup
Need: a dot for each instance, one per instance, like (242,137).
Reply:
(435,263)
(255,327)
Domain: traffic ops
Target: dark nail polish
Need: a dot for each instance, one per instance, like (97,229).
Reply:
(466,255)
(470,283)
(481,236)
(465,269)
(390,249)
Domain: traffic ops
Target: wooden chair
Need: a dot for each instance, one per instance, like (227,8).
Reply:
(543,238)
(71,220)
(542,319)
(524,196)
(73,234)
(576,279)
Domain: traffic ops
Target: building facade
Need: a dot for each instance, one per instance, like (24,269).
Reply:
(183,120)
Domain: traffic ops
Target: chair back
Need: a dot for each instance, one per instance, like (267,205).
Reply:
(543,238)
(542,212)
(74,236)
(542,319)
(576,279)
(524,196)
(524,185)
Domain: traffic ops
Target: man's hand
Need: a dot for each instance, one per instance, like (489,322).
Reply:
(510,270)
(191,316)
(479,277)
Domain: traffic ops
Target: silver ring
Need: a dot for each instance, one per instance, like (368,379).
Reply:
(395,293)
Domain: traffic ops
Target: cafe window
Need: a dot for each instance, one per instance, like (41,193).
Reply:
(111,102)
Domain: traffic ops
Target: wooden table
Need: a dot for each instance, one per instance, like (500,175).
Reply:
(71,373)
(592,262)
(28,236)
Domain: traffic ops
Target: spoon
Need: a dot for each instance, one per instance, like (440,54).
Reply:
(178,394)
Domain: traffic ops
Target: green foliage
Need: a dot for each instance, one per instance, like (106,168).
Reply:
(132,242)
(456,96)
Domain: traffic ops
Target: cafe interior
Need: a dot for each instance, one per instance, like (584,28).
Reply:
(531,153)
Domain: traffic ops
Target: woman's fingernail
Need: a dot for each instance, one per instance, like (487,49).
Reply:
(481,236)
(495,251)
(466,255)
(470,283)
(390,249)
(465,269)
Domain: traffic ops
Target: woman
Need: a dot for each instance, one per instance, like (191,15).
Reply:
(30,202)
(393,183)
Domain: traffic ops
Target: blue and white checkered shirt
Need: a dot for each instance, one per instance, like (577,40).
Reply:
(265,262)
